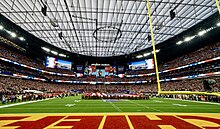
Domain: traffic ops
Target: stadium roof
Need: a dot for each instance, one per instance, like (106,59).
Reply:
(105,28)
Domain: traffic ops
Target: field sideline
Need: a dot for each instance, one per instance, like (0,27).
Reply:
(76,105)
(74,113)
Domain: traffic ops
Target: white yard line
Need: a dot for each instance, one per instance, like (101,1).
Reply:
(145,106)
(158,101)
(181,105)
(15,104)
(195,101)
(117,108)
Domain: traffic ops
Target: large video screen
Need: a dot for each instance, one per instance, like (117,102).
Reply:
(140,65)
(120,69)
(100,71)
(52,62)
(89,70)
(79,68)
(110,70)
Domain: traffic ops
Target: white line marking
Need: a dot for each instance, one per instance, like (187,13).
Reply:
(158,101)
(181,105)
(117,108)
(70,105)
(145,106)
(11,105)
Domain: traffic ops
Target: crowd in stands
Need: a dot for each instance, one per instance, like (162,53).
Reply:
(200,69)
(8,67)
(17,57)
(13,87)
(196,70)
(193,97)
(205,53)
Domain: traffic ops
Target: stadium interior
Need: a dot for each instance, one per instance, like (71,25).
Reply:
(104,50)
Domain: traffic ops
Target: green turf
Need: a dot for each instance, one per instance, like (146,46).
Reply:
(98,106)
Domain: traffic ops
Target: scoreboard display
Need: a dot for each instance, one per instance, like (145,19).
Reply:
(140,65)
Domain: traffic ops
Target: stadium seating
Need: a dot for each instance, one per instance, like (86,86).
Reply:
(12,86)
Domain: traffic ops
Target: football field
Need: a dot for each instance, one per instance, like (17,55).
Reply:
(76,105)
(75,113)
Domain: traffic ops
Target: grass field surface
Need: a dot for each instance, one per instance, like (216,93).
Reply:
(75,104)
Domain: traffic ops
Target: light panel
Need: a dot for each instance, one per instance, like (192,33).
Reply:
(46,49)
(201,33)
(1,27)
(54,52)
(22,38)
(13,34)
(139,56)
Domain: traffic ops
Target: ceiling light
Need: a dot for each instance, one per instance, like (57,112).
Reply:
(54,52)
(45,49)
(218,24)
(62,55)
(180,42)
(139,56)
(155,51)
(1,27)
(13,34)
(21,38)
(146,54)
(201,33)
(158,50)
(188,39)
(209,29)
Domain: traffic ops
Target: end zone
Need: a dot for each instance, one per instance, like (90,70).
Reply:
(110,121)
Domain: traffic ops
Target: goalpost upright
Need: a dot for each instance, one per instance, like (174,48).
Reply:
(153,45)
(216,1)
(155,58)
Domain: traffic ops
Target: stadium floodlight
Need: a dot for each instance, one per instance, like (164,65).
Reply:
(201,32)
(1,27)
(13,34)
(21,38)
(146,54)
(62,55)
(188,39)
(158,50)
(218,24)
(45,49)
(54,52)
(179,42)
(139,56)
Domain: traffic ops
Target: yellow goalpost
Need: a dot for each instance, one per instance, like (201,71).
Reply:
(156,66)
(190,92)
(153,45)
(216,1)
